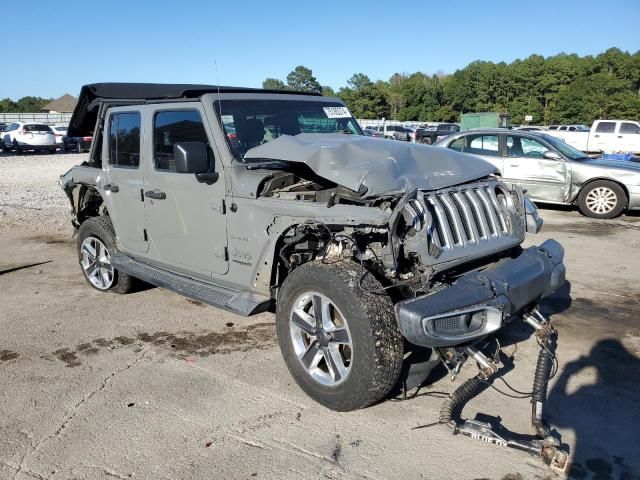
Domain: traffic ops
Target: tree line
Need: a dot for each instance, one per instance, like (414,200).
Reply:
(23,105)
(564,88)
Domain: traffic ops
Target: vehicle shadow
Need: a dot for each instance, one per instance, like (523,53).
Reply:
(603,410)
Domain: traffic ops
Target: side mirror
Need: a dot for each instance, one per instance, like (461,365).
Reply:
(193,157)
(551,155)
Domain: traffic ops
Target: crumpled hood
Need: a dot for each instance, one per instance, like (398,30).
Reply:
(382,166)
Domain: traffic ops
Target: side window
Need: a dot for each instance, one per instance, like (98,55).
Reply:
(627,127)
(124,139)
(171,127)
(458,144)
(524,147)
(532,148)
(484,145)
(606,127)
(573,129)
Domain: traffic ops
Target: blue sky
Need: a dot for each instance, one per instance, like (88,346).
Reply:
(71,43)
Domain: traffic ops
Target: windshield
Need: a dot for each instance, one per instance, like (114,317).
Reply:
(582,128)
(566,149)
(249,123)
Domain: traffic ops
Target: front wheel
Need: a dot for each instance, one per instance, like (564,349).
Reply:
(96,244)
(341,343)
(602,199)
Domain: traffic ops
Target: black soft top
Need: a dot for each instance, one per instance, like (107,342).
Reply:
(91,96)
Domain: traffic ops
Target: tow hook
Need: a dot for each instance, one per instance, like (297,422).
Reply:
(542,444)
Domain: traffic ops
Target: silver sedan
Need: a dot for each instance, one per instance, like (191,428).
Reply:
(553,172)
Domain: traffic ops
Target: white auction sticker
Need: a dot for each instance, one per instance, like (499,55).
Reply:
(337,112)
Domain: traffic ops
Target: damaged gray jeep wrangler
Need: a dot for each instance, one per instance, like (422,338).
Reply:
(372,251)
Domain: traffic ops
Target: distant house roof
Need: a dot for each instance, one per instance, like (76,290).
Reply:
(64,104)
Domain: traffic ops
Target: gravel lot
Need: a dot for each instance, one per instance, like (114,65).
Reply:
(151,385)
(30,197)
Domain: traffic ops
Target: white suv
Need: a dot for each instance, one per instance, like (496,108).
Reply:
(28,136)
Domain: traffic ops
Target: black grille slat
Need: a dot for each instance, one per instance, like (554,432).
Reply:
(475,213)
(463,216)
(450,220)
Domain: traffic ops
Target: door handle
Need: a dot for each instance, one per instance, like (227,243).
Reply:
(597,136)
(155,195)
(619,136)
(109,187)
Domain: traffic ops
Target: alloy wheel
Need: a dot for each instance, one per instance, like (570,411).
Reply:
(321,338)
(96,263)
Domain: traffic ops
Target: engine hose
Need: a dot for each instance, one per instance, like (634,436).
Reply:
(453,405)
(541,377)
(540,385)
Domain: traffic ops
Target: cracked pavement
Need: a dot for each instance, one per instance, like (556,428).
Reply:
(152,385)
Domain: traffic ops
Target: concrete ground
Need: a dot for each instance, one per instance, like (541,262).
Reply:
(151,385)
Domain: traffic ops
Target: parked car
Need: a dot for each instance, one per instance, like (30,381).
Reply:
(603,136)
(60,132)
(357,253)
(530,128)
(3,126)
(395,132)
(21,137)
(76,144)
(371,132)
(432,135)
(552,171)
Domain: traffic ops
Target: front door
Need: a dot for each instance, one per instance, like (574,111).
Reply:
(186,221)
(123,178)
(543,179)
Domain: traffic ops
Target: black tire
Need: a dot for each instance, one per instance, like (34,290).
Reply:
(588,191)
(377,345)
(16,148)
(53,150)
(102,228)
(426,141)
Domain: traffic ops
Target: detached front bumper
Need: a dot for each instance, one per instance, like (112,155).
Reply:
(477,304)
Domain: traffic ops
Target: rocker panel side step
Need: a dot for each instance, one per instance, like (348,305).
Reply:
(242,303)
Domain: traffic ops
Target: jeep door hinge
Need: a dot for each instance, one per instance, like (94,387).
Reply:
(219,206)
(144,235)
(142,195)
(222,253)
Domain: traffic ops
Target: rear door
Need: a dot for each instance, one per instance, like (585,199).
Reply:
(604,136)
(544,179)
(187,227)
(629,137)
(123,177)
(483,145)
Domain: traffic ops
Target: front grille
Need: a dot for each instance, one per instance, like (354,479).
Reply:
(467,214)
(455,325)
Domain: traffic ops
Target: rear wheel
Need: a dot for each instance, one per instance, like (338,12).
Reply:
(17,148)
(340,342)
(602,199)
(96,244)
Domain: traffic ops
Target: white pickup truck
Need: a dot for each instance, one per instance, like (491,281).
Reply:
(604,136)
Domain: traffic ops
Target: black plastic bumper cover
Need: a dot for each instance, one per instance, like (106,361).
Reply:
(507,287)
